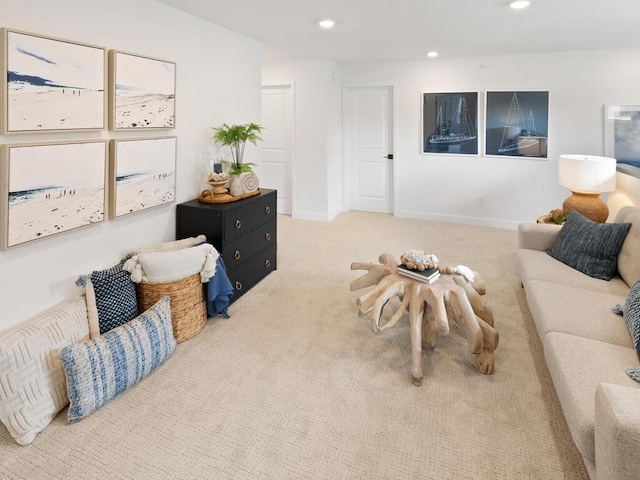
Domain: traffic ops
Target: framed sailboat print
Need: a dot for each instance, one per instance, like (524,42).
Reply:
(517,124)
(450,123)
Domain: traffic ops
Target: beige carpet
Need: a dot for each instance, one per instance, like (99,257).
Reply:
(296,386)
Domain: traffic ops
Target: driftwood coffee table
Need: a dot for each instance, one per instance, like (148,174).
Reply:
(452,299)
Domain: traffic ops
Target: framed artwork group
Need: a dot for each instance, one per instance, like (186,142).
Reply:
(516,123)
(56,85)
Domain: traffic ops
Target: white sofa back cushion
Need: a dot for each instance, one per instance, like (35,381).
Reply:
(629,256)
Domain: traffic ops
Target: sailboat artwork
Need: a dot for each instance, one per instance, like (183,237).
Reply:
(454,129)
(517,133)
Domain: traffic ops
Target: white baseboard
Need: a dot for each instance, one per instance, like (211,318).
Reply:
(316,217)
(481,222)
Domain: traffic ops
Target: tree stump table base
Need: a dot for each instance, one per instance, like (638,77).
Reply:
(432,308)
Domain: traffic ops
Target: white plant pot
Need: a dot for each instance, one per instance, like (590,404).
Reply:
(244,183)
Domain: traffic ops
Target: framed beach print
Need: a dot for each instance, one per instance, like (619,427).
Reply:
(517,123)
(450,123)
(143,174)
(142,92)
(51,85)
(622,133)
(51,188)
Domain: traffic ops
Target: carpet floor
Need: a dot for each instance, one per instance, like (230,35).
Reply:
(295,386)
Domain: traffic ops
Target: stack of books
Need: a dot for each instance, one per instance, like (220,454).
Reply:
(428,275)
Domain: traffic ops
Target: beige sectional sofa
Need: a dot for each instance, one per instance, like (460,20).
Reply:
(588,347)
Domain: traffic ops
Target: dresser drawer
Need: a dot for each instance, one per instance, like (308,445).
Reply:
(243,248)
(241,220)
(251,272)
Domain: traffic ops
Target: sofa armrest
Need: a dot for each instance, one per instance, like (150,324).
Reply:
(617,432)
(537,236)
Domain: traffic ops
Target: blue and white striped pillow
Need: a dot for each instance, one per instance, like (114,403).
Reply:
(99,370)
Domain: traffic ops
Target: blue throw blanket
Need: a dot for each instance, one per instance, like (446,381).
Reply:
(219,291)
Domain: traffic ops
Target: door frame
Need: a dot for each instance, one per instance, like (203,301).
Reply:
(346,89)
(292,140)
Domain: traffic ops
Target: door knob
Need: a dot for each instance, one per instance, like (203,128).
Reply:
(390,156)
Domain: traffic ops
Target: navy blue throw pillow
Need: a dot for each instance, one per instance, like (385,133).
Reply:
(115,295)
(590,247)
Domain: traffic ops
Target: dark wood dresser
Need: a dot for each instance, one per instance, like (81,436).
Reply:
(244,232)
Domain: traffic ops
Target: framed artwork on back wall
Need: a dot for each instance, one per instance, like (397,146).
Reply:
(450,123)
(517,123)
(622,133)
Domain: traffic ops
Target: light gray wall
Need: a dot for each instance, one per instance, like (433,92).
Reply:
(218,80)
(447,187)
(514,189)
(317,156)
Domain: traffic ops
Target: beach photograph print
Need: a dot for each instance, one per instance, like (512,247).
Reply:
(622,133)
(54,188)
(144,92)
(52,84)
(450,123)
(517,123)
(144,174)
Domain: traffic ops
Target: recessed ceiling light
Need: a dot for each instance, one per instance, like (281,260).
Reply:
(519,4)
(432,54)
(326,23)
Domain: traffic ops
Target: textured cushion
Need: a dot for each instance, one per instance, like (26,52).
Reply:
(590,247)
(631,312)
(537,265)
(32,382)
(170,266)
(171,246)
(569,309)
(577,366)
(111,295)
(629,256)
(99,370)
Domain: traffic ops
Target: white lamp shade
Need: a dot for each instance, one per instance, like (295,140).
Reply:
(587,173)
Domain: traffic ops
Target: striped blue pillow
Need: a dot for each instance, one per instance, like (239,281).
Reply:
(99,370)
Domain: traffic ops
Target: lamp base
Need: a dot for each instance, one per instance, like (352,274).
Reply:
(588,204)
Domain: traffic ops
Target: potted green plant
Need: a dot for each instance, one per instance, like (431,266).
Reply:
(236,138)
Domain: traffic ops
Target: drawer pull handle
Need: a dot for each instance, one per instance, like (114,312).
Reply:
(238,285)
(267,236)
(237,255)
(267,210)
(267,263)
(238,224)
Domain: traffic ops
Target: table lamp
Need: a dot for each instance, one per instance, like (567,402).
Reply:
(587,176)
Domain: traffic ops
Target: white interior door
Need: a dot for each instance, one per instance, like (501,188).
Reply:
(369,144)
(277,120)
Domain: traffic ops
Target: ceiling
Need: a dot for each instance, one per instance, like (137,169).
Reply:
(379,30)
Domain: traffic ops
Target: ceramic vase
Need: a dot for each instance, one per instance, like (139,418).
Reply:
(242,184)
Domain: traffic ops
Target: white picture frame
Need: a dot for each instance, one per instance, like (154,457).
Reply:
(622,133)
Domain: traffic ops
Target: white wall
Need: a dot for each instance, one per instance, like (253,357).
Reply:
(446,188)
(218,80)
(317,156)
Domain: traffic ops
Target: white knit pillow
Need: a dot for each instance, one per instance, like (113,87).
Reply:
(170,246)
(169,266)
(33,387)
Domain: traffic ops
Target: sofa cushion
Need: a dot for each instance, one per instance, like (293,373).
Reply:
(99,370)
(631,313)
(32,383)
(577,366)
(537,265)
(111,299)
(569,309)
(590,247)
(629,256)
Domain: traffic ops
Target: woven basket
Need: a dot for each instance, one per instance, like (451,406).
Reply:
(188,305)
